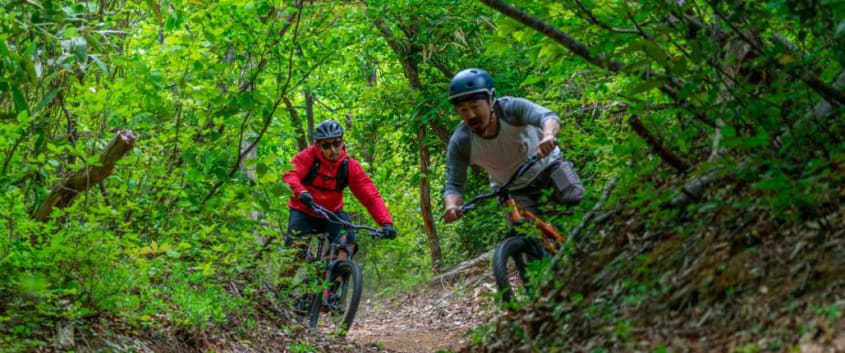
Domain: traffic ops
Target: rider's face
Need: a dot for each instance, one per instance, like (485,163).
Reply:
(331,148)
(475,114)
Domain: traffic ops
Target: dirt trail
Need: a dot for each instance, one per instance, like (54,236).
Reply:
(428,318)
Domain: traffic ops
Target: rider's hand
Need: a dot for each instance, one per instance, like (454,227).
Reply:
(306,198)
(452,214)
(546,145)
(388,232)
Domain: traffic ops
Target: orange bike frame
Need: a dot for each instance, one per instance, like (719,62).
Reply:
(550,234)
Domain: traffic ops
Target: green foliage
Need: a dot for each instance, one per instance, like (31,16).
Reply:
(171,237)
(301,348)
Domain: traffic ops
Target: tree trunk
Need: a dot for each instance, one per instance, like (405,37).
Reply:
(425,202)
(301,141)
(63,193)
(309,114)
(406,53)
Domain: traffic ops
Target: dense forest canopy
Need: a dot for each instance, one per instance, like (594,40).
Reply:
(143,143)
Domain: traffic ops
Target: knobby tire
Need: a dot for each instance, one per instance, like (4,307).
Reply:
(349,293)
(520,250)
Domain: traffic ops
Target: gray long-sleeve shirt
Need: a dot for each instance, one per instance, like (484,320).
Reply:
(520,131)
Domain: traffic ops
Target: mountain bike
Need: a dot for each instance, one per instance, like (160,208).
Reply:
(518,249)
(340,277)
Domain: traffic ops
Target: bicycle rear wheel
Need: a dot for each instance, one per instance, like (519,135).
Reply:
(338,303)
(509,262)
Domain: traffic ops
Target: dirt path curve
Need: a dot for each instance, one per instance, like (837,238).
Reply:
(427,319)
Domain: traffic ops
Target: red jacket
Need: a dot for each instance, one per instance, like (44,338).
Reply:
(359,183)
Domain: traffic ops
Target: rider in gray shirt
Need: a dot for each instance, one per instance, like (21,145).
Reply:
(498,135)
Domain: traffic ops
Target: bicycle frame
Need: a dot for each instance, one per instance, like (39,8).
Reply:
(551,238)
(330,258)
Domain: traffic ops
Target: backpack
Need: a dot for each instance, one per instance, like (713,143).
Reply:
(341,179)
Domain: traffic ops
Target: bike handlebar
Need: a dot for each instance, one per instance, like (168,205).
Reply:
(501,190)
(334,218)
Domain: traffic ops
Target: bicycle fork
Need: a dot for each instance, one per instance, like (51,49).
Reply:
(518,215)
(327,275)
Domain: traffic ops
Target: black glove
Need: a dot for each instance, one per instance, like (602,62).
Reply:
(388,232)
(305,197)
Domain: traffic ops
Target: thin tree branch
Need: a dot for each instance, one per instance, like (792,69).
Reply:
(580,49)
(594,20)
(670,158)
(828,92)
(575,234)
(564,39)
(267,119)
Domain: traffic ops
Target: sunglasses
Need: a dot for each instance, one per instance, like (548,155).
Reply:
(326,145)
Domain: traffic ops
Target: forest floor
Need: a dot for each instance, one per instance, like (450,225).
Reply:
(430,318)
(744,282)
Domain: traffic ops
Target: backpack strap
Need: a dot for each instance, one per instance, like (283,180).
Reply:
(341,179)
(312,173)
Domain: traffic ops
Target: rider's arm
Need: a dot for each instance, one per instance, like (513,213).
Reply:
(294,176)
(457,161)
(521,111)
(365,191)
(453,204)
(551,127)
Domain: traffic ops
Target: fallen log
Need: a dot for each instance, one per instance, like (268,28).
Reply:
(64,192)
(461,269)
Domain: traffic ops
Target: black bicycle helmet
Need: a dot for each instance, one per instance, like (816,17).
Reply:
(470,84)
(328,129)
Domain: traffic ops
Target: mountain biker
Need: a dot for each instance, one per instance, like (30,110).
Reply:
(322,171)
(498,135)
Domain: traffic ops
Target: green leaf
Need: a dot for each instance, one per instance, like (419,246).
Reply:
(761,139)
(100,64)
(94,160)
(680,67)
(630,48)
(728,131)
(24,117)
(655,52)
(20,101)
(261,169)
(80,48)
(46,100)
(648,85)
(280,189)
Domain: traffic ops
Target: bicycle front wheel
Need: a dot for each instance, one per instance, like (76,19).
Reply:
(509,262)
(338,303)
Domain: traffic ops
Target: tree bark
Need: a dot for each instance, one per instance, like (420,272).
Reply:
(63,193)
(462,269)
(669,87)
(309,114)
(406,53)
(301,139)
(669,157)
(425,201)
(564,39)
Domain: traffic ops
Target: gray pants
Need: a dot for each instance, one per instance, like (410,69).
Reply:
(560,179)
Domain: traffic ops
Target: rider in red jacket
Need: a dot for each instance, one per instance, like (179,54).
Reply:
(321,173)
